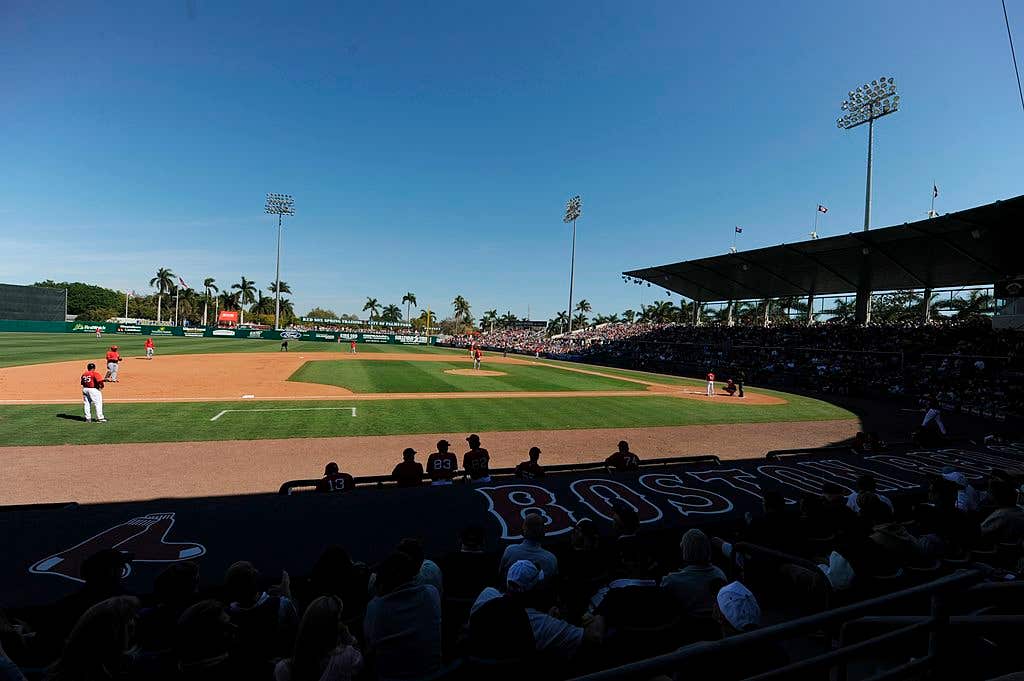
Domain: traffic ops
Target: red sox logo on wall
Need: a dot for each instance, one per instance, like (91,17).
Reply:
(145,537)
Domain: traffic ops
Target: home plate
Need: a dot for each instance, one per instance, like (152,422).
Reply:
(248,397)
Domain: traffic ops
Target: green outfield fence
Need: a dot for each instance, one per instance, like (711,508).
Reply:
(214,332)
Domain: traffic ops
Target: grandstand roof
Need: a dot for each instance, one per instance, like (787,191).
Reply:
(971,247)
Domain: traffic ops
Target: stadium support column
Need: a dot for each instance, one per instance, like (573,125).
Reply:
(926,306)
(728,314)
(767,311)
(810,308)
(696,313)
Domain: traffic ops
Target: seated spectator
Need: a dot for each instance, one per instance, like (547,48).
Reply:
(499,628)
(534,528)
(866,483)
(427,571)
(530,470)
(175,589)
(968,499)
(1006,523)
(204,637)
(581,565)
(632,598)
(476,461)
(102,573)
(100,643)
(336,574)
(409,473)
(334,480)
(471,568)
(833,517)
(442,464)
(777,528)
(933,430)
(403,624)
(693,588)
(737,612)
(625,522)
(266,623)
(553,637)
(324,648)
(623,459)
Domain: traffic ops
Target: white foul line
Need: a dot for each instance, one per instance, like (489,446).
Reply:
(228,411)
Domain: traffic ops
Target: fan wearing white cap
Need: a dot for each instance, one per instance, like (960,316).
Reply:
(552,635)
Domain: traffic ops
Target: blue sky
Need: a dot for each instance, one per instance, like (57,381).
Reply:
(431,146)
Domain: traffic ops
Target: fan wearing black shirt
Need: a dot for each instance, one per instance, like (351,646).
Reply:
(623,460)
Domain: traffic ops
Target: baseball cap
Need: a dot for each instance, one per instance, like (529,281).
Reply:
(524,575)
(443,443)
(473,438)
(534,450)
(113,347)
(332,467)
(739,606)
(90,366)
(408,450)
(956,477)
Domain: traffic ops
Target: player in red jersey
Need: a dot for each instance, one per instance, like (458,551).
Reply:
(150,347)
(442,464)
(711,384)
(334,480)
(477,355)
(476,461)
(92,384)
(113,361)
(352,347)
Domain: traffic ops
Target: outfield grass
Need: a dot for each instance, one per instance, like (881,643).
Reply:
(178,422)
(40,348)
(373,376)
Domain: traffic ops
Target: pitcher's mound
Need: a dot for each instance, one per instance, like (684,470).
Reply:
(474,372)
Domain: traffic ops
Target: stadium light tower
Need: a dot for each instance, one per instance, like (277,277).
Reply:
(279,205)
(863,105)
(573,210)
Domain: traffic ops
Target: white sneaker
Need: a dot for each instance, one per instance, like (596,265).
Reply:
(101,420)
(88,420)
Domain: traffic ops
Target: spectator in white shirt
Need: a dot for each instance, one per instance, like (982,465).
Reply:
(530,549)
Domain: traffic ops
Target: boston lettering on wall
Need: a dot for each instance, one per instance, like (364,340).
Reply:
(45,547)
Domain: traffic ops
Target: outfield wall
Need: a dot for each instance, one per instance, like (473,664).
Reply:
(384,338)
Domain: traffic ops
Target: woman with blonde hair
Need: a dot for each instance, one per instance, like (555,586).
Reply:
(324,648)
(100,643)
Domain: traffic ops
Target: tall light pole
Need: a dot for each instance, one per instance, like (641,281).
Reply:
(573,210)
(863,105)
(279,205)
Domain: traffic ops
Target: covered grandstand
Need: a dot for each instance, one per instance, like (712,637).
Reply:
(977,246)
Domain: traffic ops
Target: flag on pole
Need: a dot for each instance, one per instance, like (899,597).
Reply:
(739,230)
(183,284)
(822,209)
(935,191)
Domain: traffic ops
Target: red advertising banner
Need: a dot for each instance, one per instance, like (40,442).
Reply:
(228,316)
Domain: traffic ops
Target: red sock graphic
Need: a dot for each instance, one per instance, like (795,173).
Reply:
(144,536)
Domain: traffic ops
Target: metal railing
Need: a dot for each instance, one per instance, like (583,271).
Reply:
(694,658)
(292,486)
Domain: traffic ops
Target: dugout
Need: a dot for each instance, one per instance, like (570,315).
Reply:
(977,246)
(33,303)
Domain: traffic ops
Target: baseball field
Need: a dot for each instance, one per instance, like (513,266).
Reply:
(222,416)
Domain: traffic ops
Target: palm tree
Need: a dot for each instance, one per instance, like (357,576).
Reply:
(287,310)
(843,310)
(490,316)
(975,304)
(629,316)
(426,320)
(560,321)
(391,313)
(461,307)
(508,319)
(164,282)
(272,287)
(409,300)
(583,306)
(580,321)
(373,306)
(210,284)
(246,295)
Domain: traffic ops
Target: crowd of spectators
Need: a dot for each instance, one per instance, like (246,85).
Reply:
(966,365)
(541,608)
